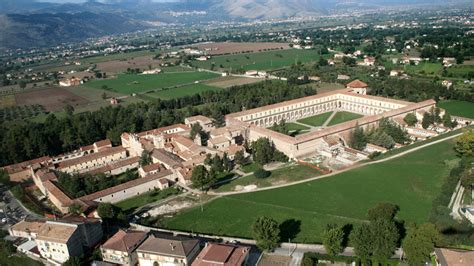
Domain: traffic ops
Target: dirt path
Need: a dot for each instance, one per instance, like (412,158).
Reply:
(335,172)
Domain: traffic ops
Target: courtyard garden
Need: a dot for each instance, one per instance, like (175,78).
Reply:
(342,116)
(317,120)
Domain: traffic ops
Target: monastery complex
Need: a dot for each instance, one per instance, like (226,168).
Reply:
(174,154)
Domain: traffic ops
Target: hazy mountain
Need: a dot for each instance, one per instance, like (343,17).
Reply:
(35,30)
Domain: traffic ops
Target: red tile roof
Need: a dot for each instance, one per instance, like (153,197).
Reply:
(221,254)
(92,157)
(125,241)
(357,84)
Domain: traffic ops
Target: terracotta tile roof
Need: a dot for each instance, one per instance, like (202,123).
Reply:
(285,103)
(55,191)
(151,167)
(454,257)
(376,98)
(218,140)
(125,241)
(175,246)
(166,157)
(55,232)
(129,184)
(103,143)
(199,118)
(28,226)
(233,149)
(92,157)
(115,165)
(45,174)
(163,130)
(357,84)
(15,168)
(222,254)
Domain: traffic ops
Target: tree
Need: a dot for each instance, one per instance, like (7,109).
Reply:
(226,163)
(410,119)
(465,144)
(385,238)
(104,95)
(349,61)
(22,84)
(201,178)
(217,164)
(383,211)
(75,208)
(196,129)
(361,238)
(266,232)
(4,178)
(333,238)
(69,109)
(448,121)
(262,151)
(106,211)
(239,158)
(427,120)
(145,159)
(358,139)
(74,261)
(419,243)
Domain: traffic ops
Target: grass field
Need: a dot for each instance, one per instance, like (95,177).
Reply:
(411,182)
(317,120)
(118,56)
(424,67)
(341,117)
(182,91)
(282,175)
(460,71)
(131,204)
(7,101)
(458,108)
(128,84)
(260,61)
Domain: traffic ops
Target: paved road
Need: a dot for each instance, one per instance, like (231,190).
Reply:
(335,172)
(12,209)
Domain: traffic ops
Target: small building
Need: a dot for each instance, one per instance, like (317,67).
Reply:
(343,77)
(222,254)
(120,248)
(358,86)
(205,122)
(167,250)
(454,257)
(58,242)
(70,82)
(151,71)
(447,83)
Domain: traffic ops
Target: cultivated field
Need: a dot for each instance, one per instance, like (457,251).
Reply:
(7,101)
(259,61)
(140,83)
(222,48)
(411,182)
(119,66)
(227,82)
(182,91)
(458,108)
(53,99)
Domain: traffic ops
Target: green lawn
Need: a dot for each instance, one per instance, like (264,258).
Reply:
(295,129)
(282,175)
(261,60)
(182,91)
(150,197)
(458,108)
(424,67)
(411,182)
(317,120)
(460,71)
(127,83)
(249,168)
(343,116)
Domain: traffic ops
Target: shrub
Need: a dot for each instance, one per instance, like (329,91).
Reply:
(261,173)
(374,155)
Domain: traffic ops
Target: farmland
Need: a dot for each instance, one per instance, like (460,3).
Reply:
(259,61)
(411,181)
(52,98)
(128,84)
(221,48)
(458,108)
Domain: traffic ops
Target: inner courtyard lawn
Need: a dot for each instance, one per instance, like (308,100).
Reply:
(343,116)
(128,83)
(458,108)
(317,120)
(294,129)
(411,182)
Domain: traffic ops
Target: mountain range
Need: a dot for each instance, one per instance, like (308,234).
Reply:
(27,23)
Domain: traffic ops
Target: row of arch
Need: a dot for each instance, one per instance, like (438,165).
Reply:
(314,110)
